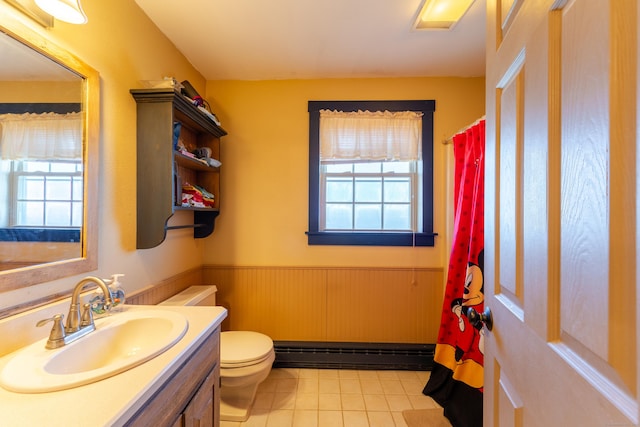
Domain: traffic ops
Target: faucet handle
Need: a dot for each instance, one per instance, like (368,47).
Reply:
(57,334)
(87,316)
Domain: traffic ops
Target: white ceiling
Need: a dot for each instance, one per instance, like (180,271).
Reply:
(303,39)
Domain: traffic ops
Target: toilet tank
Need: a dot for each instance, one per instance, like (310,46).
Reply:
(194,295)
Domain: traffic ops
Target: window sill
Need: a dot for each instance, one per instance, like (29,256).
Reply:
(370,239)
(28,234)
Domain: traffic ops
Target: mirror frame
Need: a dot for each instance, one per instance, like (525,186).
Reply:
(28,276)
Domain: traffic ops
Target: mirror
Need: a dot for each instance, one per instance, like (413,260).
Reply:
(48,161)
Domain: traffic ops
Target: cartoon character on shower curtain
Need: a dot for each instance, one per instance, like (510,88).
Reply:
(469,345)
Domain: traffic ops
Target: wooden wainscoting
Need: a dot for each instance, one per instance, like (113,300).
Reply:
(159,292)
(385,305)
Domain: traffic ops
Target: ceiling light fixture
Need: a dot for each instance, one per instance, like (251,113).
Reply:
(29,8)
(64,10)
(441,14)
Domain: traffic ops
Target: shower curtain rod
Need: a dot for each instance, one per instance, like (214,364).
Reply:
(464,129)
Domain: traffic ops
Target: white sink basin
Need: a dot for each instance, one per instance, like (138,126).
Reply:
(120,342)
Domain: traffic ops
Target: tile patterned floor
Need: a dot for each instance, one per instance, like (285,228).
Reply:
(336,398)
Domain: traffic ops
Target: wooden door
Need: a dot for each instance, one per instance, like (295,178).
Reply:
(561,214)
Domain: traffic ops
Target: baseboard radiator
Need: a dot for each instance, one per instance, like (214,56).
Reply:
(350,355)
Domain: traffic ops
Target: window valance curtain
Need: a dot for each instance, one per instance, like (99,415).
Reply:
(32,136)
(366,135)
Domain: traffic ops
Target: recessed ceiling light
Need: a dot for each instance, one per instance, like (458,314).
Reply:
(441,14)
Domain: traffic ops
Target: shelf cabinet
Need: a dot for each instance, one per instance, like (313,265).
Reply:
(162,169)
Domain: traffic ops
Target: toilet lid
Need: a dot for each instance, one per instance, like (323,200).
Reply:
(242,347)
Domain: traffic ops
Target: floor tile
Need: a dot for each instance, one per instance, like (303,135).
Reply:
(330,418)
(264,400)
(269,384)
(355,419)
(375,402)
(307,401)
(368,375)
(392,387)
(412,386)
(329,402)
(280,418)
(348,374)
(328,385)
(328,373)
(308,385)
(373,386)
(350,386)
(422,402)
(255,420)
(423,376)
(388,375)
(398,419)
(284,401)
(406,375)
(308,373)
(285,385)
(304,418)
(398,402)
(292,397)
(284,373)
(380,419)
(352,402)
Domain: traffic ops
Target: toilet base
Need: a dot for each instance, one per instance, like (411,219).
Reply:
(236,403)
(239,387)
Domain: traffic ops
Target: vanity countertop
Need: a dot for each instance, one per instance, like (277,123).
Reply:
(112,401)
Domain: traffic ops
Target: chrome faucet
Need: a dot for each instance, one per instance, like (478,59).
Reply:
(78,325)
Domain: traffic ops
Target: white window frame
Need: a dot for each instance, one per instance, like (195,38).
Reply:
(414,203)
(18,173)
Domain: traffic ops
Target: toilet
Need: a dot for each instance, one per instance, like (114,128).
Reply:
(246,358)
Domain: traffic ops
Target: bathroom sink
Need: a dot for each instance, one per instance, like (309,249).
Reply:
(120,342)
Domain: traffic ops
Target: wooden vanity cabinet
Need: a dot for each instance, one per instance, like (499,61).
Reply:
(191,397)
(161,169)
(202,411)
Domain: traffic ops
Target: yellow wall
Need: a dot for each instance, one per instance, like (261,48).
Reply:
(40,91)
(264,183)
(125,47)
(264,178)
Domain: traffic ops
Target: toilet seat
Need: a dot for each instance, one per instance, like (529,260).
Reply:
(244,348)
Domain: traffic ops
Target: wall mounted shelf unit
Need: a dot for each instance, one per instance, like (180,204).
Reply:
(162,170)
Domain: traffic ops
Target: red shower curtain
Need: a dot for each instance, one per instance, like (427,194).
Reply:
(457,377)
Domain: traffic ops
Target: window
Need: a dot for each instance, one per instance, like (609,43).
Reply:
(365,195)
(42,169)
(47,193)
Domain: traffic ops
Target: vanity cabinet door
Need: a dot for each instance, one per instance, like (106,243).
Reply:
(201,410)
(190,397)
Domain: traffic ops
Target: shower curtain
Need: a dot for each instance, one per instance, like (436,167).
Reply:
(456,381)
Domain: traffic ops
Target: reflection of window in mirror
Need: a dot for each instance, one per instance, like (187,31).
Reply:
(42,160)
(46,194)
